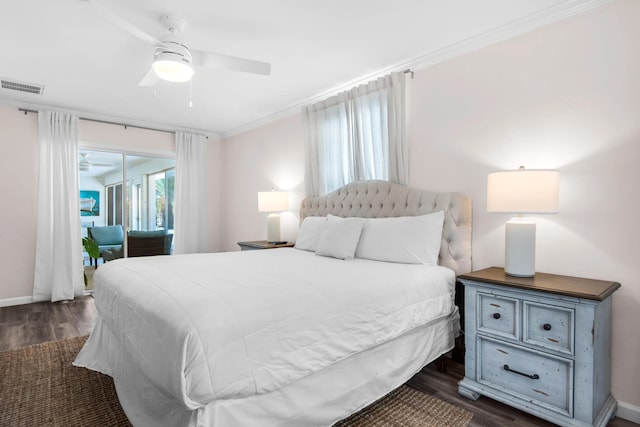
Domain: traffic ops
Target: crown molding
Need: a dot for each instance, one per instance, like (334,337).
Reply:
(512,29)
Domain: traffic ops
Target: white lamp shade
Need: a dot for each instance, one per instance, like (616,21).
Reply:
(273,201)
(523,191)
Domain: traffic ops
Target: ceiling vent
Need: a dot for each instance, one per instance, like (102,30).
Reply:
(22,87)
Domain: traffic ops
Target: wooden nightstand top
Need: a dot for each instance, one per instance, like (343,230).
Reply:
(577,287)
(263,244)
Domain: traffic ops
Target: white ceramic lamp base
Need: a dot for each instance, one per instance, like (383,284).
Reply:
(273,228)
(520,248)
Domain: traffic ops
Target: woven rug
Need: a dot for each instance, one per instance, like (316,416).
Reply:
(40,387)
(407,407)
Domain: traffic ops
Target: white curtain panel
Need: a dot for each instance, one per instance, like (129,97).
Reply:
(191,214)
(357,135)
(58,260)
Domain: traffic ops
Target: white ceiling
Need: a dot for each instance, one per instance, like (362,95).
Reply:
(89,65)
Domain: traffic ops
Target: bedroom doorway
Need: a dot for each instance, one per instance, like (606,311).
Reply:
(134,192)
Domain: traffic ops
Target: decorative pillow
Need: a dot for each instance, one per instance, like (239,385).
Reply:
(309,233)
(339,237)
(407,239)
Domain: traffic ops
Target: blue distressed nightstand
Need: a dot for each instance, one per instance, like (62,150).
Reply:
(540,344)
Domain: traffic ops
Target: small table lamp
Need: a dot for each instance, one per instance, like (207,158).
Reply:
(522,191)
(273,202)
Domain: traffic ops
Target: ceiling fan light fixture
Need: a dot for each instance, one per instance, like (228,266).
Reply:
(172,62)
(171,67)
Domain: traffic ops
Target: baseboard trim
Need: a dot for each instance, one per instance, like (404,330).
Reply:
(628,412)
(7,302)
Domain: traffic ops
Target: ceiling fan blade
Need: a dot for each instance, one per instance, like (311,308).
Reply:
(124,24)
(149,79)
(217,60)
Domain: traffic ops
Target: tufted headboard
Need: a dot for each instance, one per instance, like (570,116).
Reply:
(380,199)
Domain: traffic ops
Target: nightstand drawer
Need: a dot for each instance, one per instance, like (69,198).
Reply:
(538,377)
(499,315)
(548,326)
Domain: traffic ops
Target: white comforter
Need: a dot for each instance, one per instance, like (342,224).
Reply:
(230,325)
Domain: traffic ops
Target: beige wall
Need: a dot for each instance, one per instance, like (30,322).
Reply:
(18,184)
(259,160)
(19,178)
(566,96)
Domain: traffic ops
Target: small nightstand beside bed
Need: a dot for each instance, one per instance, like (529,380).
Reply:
(263,244)
(540,344)
(285,337)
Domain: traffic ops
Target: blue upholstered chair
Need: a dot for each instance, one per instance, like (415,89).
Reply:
(107,238)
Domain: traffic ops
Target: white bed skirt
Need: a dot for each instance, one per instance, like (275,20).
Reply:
(320,399)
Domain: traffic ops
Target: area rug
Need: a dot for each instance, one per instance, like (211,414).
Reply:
(40,387)
(407,407)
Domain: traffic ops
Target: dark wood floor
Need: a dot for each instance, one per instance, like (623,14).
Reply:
(41,322)
(27,324)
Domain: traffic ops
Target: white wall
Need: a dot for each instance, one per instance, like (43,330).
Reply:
(566,96)
(259,160)
(19,187)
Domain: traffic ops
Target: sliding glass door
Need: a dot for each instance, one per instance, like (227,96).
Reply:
(135,192)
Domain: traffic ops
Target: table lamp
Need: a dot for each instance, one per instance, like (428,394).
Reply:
(522,191)
(273,202)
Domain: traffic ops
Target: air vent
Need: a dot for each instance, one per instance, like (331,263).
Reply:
(22,87)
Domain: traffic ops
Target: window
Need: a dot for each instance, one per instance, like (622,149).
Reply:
(148,195)
(113,194)
(357,135)
(161,191)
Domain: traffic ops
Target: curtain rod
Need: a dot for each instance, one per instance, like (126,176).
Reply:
(106,122)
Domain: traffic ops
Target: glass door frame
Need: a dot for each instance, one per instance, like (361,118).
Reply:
(158,154)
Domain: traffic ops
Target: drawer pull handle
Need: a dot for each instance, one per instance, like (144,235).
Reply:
(546,327)
(533,377)
(496,315)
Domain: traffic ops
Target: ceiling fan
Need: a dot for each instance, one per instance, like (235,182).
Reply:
(172,60)
(85,165)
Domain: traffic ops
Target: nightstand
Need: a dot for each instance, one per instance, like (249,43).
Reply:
(262,244)
(540,344)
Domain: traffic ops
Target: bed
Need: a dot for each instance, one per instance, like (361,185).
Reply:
(284,337)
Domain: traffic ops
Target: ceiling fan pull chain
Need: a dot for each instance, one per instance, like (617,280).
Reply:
(190,94)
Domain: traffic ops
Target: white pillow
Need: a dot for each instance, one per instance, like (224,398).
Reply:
(309,233)
(407,240)
(339,237)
